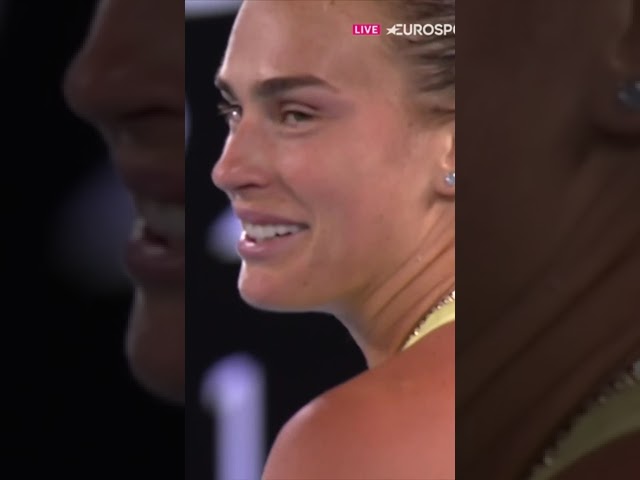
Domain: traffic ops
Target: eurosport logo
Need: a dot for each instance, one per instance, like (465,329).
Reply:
(428,29)
(401,29)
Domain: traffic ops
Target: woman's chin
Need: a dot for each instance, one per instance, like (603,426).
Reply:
(272,300)
(267,303)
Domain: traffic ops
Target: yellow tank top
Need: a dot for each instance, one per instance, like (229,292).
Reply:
(619,415)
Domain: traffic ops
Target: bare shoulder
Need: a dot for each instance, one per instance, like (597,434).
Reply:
(395,421)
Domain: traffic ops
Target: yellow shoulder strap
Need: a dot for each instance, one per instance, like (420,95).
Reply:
(442,316)
(620,415)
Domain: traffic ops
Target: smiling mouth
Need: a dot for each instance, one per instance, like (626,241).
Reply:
(264,233)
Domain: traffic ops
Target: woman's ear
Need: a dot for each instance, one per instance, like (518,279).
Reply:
(445,178)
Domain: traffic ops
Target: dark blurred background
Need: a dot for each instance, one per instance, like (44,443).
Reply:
(70,406)
(302,355)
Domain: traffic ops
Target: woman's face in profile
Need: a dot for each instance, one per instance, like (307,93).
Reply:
(320,137)
(128,81)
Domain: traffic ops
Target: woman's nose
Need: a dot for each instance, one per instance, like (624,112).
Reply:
(243,163)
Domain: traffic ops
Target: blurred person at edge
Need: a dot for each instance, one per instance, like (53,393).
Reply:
(128,81)
(548,360)
(344,147)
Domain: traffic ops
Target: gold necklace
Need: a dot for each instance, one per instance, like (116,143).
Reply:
(421,329)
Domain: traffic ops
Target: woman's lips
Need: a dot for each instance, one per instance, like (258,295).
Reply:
(269,249)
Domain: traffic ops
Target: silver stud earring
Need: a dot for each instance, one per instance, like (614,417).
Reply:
(629,95)
(450,179)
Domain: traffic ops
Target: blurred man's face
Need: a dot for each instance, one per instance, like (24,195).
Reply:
(128,80)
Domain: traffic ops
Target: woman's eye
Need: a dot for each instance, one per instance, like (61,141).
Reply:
(231,113)
(294,117)
(288,117)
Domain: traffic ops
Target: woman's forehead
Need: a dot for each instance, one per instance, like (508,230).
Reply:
(314,21)
(275,39)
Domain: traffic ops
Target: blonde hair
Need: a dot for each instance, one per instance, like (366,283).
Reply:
(430,58)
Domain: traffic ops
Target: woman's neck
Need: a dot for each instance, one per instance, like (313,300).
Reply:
(387,315)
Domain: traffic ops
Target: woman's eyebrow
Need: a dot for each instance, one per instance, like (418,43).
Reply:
(275,86)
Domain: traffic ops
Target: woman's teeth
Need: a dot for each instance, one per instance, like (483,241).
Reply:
(266,232)
(166,220)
